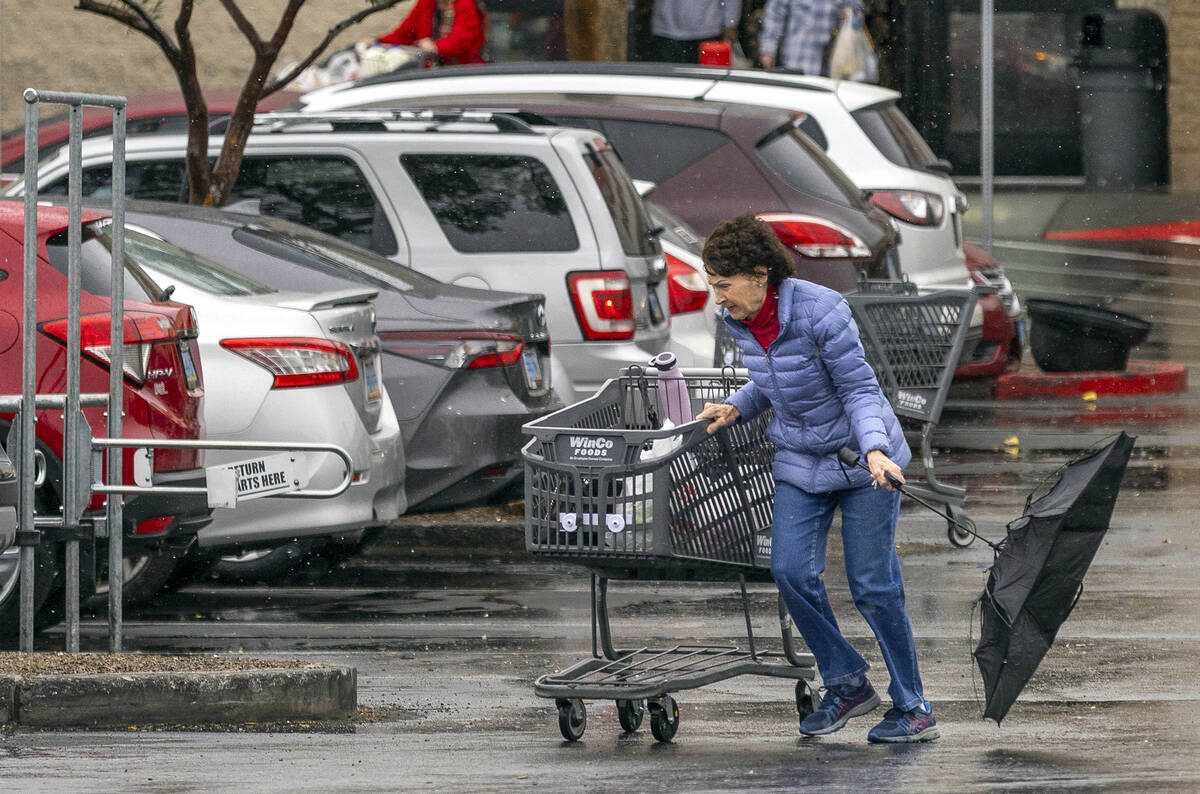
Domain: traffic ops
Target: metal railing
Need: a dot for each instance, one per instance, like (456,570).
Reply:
(84,456)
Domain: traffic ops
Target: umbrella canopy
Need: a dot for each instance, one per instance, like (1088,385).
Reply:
(1038,573)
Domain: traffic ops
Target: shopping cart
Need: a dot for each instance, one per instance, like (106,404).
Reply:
(914,341)
(608,486)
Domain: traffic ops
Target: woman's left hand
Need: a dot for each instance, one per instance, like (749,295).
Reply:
(881,465)
(427,45)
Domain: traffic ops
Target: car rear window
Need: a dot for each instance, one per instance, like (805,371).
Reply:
(894,135)
(330,260)
(797,160)
(656,151)
(488,203)
(95,264)
(624,204)
(174,264)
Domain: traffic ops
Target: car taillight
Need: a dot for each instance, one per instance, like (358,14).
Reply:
(815,238)
(687,288)
(910,206)
(298,361)
(603,301)
(152,526)
(142,331)
(466,350)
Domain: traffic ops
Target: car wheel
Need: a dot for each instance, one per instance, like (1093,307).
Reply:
(337,551)
(147,572)
(47,565)
(264,565)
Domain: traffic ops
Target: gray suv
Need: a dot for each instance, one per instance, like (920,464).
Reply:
(482,199)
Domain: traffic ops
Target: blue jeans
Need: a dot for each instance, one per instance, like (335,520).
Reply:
(799,536)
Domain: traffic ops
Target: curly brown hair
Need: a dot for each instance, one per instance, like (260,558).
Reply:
(745,245)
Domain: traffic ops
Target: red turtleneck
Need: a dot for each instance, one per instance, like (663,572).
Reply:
(765,323)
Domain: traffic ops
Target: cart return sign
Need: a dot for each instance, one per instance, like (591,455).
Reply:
(252,479)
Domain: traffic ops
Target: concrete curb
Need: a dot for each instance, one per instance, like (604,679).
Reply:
(110,700)
(1139,378)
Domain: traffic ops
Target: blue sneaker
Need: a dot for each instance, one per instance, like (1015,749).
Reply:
(837,707)
(905,726)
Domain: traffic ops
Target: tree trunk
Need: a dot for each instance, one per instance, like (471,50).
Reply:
(596,29)
(229,163)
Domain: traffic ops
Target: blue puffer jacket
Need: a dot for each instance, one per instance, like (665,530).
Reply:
(824,393)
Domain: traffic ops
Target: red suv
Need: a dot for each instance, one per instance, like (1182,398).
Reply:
(162,393)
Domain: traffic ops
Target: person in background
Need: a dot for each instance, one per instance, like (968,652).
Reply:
(806,361)
(795,33)
(454,30)
(679,27)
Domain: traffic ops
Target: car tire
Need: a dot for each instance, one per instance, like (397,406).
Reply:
(264,565)
(48,573)
(336,551)
(147,572)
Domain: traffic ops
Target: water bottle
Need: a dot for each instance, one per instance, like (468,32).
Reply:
(672,389)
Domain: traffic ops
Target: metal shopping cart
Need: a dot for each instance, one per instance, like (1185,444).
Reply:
(914,341)
(608,486)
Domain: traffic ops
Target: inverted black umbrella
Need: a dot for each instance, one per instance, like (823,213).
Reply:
(1037,576)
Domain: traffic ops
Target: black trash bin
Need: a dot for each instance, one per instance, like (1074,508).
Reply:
(1069,337)
(1123,99)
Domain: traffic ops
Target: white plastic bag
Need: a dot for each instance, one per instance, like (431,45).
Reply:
(852,56)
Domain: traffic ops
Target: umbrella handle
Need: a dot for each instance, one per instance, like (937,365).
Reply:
(851,458)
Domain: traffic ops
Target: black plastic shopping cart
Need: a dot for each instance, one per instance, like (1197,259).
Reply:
(914,341)
(610,487)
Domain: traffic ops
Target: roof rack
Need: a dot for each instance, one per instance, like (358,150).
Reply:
(630,69)
(343,120)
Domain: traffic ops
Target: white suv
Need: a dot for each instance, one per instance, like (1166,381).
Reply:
(479,199)
(859,125)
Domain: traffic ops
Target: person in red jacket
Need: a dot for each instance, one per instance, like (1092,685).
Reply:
(453,29)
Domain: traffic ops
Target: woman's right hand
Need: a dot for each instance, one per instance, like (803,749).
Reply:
(721,414)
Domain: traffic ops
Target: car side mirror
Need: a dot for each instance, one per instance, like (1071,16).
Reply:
(941,166)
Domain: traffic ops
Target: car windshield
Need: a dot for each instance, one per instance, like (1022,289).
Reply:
(331,257)
(174,264)
(797,160)
(894,135)
(95,263)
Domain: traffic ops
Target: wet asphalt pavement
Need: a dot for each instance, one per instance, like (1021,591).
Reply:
(448,628)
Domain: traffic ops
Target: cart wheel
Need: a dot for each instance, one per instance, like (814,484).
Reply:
(630,713)
(806,699)
(572,718)
(664,718)
(957,532)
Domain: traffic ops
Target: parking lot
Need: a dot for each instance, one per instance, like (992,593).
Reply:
(448,621)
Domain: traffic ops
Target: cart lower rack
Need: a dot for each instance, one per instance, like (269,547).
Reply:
(610,486)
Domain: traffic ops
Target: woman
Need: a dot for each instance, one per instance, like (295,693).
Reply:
(805,360)
(454,30)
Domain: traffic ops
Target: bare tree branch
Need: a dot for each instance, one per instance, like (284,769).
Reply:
(135,17)
(284,28)
(244,25)
(383,5)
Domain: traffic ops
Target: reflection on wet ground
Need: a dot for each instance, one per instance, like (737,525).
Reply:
(447,637)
